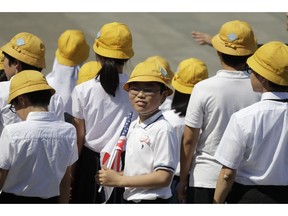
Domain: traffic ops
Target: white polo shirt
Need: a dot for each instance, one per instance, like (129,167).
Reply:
(178,124)
(256,142)
(150,146)
(211,104)
(102,113)
(37,153)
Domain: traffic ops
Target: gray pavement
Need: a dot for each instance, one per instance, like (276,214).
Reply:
(164,34)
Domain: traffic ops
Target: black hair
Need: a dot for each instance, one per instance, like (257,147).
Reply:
(24,66)
(277,88)
(3,76)
(233,61)
(37,98)
(180,102)
(109,74)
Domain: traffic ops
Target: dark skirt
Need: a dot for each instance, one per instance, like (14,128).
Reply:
(9,198)
(258,194)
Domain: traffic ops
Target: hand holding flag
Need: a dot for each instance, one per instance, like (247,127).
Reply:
(113,160)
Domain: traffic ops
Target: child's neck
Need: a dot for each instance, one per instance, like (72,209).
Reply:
(145,116)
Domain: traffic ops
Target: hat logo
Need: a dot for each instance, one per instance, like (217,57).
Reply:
(163,72)
(20,42)
(98,35)
(232,37)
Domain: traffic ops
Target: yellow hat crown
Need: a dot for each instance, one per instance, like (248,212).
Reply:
(88,71)
(149,72)
(1,60)
(114,40)
(27,48)
(235,38)
(271,62)
(189,72)
(27,81)
(72,48)
(162,61)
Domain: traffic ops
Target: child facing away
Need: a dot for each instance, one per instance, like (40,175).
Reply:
(254,146)
(151,156)
(36,154)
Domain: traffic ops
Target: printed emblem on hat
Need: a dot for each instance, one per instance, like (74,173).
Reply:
(163,72)
(98,34)
(232,37)
(20,42)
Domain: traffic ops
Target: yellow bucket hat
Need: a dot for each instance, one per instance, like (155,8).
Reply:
(189,72)
(27,48)
(114,40)
(1,60)
(162,61)
(149,72)
(235,38)
(72,48)
(271,62)
(88,71)
(28,81)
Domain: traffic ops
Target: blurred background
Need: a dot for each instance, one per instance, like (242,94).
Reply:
(165,34)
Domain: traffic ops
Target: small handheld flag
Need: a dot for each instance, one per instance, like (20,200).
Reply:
(113,160)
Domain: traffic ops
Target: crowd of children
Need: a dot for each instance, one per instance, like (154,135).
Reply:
(193,138)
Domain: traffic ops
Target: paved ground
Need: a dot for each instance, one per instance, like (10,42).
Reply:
(165,34)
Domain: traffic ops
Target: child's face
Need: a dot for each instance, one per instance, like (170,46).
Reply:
(146,97)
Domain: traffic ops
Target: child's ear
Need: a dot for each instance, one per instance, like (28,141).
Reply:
(164,96)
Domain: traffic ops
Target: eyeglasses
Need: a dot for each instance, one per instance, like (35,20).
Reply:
(248,69)
(146,91)
(12,108)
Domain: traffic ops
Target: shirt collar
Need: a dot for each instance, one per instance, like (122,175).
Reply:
(150,120)
(274,95)
(41,116)
(233,74)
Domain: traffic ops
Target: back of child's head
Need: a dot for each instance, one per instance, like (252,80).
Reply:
(150,71)
(271,62)
(28,81)
(72,48)
(113,47)
(27,48)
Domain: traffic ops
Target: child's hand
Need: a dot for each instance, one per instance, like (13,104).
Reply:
(107,177)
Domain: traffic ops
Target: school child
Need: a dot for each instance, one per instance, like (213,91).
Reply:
(253,149)
(36,154)
(98,108)
(190,71)
(151,155)
(25,51)
(210,107)
(70,55)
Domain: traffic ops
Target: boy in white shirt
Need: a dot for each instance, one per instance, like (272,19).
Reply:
(36,154)
(151,156)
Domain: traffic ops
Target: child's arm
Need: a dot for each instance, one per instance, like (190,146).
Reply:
(156,179)
(224,184)
(79,124)
(65,187)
